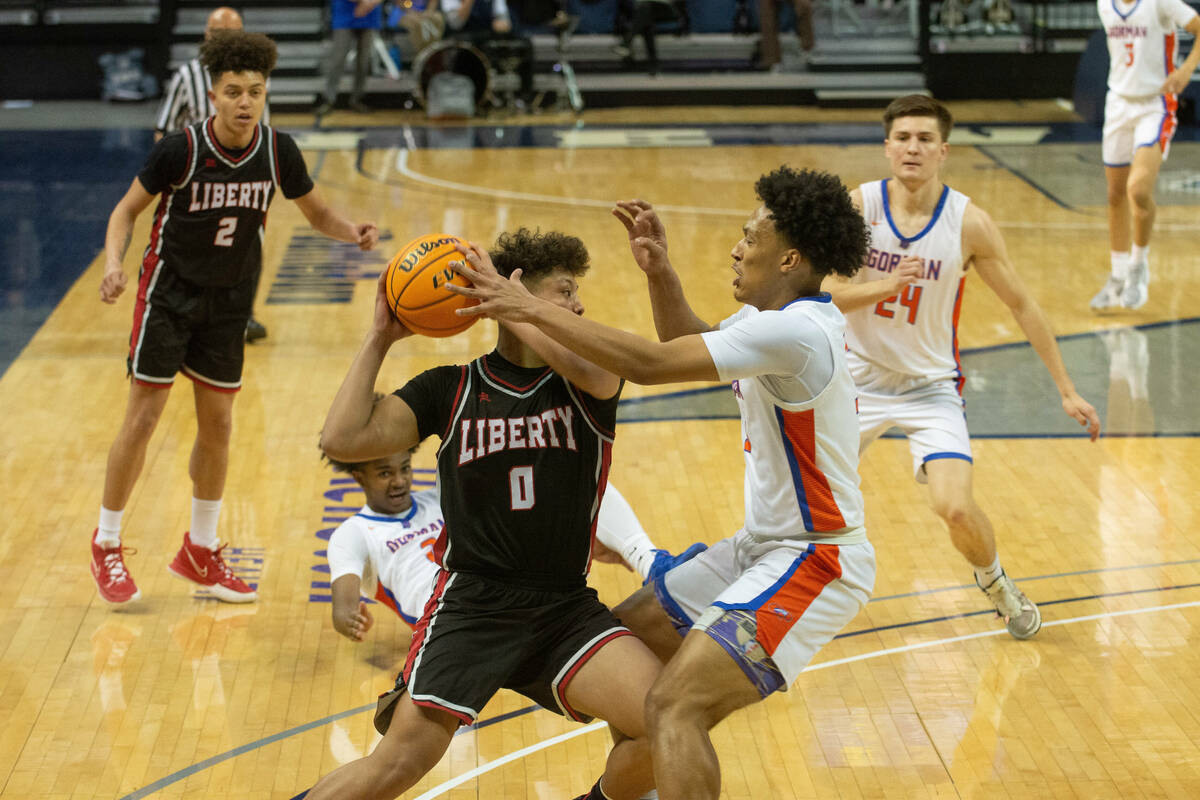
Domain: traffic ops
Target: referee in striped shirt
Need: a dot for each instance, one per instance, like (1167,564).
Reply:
(186,101)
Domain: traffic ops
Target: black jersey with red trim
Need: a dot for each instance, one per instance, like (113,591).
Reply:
(209,222)
(522,466)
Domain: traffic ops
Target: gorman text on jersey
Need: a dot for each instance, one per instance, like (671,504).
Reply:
(884,261)
(480,437)
(246,194)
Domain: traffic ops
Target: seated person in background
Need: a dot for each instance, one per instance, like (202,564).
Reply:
(770,56)
(420,19)
(640,17)
(484,23)
(385,550)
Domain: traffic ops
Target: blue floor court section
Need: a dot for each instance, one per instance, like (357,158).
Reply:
(58,189)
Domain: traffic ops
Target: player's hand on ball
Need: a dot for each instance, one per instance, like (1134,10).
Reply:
(498,297)
(368,236)
(385,322)
(112,286)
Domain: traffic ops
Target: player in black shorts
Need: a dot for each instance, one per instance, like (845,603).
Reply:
(526,436)
(195,289)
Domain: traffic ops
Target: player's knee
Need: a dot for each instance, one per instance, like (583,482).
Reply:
(1117,194)
(396,772)
(215,428)
(1141,195)
(638,611)
(954,511)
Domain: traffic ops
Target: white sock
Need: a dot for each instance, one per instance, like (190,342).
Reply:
(986,576)
(619,530)
(203,530)
(109,534)
(1140,255)
(1120,264)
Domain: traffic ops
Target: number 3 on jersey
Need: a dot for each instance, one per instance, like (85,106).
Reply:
(910,298)
(520,487)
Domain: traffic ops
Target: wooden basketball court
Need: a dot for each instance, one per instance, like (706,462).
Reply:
(925,695)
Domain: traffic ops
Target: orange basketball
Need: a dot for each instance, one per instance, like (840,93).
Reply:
(416,286)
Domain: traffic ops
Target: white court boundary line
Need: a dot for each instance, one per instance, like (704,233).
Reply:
(441,789)
(404,169)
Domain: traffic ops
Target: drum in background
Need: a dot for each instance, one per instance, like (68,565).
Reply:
(449,58)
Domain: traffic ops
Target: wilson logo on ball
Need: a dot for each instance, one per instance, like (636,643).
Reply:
(416,286)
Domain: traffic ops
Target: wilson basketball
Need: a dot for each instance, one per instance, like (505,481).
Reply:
(416,286)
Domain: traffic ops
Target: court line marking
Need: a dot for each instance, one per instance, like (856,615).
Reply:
(507,194)
(441,789)
(403,168)
(188,771)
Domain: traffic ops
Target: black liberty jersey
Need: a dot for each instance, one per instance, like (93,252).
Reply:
(522,466)
(209,222)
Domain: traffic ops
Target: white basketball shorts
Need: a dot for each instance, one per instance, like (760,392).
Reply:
(1131,123)
(770,603)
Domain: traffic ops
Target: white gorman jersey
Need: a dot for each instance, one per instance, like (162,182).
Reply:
(799,419)
(916,331)
(391,553)
(1142,42)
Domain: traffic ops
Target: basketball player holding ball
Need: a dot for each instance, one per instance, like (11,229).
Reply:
(526,436)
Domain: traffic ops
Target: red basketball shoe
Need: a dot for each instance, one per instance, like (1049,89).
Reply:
(108,570)
(205,567)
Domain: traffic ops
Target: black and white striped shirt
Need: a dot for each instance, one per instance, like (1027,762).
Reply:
(186,99)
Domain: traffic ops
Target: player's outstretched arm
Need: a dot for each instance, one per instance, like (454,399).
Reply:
(673,315)
(117,237)
(983,244)
(849,296)
(632,357)
(325,219)
(351,617)
(596,381)
(357,427)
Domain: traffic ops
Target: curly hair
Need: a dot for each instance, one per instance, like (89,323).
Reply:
(813,213)
(237,51)
(536,254)
(918,105)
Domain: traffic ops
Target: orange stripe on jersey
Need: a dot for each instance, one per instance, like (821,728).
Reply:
(1170,122)
(783,609)
(817,503)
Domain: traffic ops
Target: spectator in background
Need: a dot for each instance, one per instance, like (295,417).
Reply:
(639,18)
(420,19)
(353,22)
(770,57)
(186,101)
(485,23)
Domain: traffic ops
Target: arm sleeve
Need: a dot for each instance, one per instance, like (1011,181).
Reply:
(769,343)
(293,172)
(431,396)
(165,164)
(347,552)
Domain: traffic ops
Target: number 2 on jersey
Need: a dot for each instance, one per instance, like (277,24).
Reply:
(520,487)
(225,229)
(910,298)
